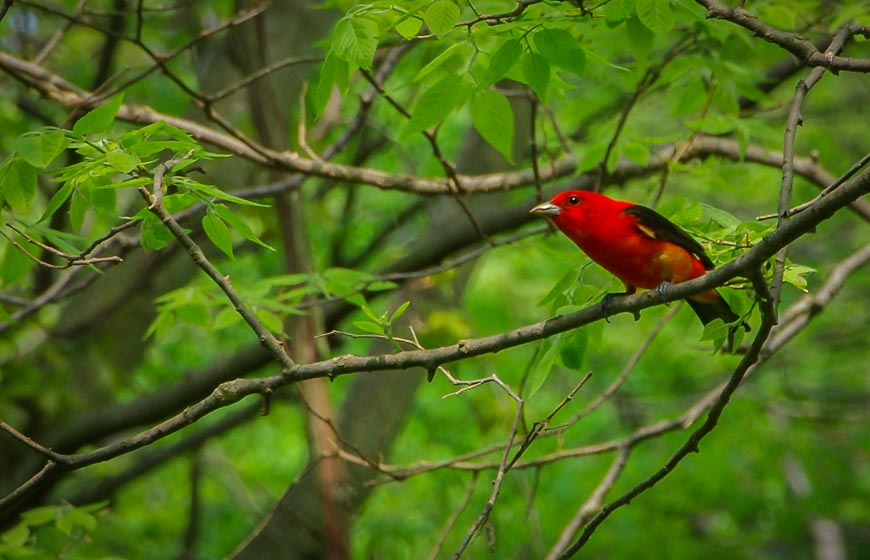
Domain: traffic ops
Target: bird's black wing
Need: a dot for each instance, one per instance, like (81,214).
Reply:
(656,226)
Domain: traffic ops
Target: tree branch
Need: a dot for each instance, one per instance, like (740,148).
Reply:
(233,391)
(803,49)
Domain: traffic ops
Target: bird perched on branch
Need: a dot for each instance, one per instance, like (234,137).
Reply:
(637,245)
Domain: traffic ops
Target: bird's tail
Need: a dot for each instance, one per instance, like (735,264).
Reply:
(718,308)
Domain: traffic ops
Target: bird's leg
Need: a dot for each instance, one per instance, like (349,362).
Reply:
(607,300)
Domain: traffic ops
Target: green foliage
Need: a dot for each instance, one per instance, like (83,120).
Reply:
(657,15)
(441,16)
(493,118)
(437,101)
(51,531)
(117,335)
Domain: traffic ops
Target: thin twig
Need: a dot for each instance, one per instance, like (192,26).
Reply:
(71,260)
(230,392)
(451,521)
(626,370)
(592,503)
(500,474)
(768,320)
(802,48)
(267,339)
(794,120)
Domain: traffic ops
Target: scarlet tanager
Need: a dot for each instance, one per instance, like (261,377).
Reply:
(637,245)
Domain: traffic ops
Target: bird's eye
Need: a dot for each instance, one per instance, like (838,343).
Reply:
(573,200)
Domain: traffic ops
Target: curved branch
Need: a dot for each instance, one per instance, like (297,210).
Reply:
(231,392)
(800,47)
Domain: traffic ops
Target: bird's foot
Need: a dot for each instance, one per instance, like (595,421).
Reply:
(661,289)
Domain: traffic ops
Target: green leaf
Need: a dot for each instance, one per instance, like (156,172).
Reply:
(637,152)
(561,49)
(380,286)
(154,234)
(78,207)
(40,148)
(591,157)
(374,316)
(5,318)
(536,71)
(57,201)
(783,17)
(17,536)
(218,232)
(64,525)
(103,199)
(408,27)
(437,102)
(656,15)
(99,119)
(356,40)
(399,311)
(501,61)
(160,325)
(18,184)
(714,124)
(721,217)
(134,182)
(209,190)
(441,16)
(613,159)
(16,265)
(542,369)
(121,162)
(42,515)
(493,118)
(557,292)
(459,51)
(717,331)
(235,222)
(369,327)
(572,348)
(617,11)
(82,518)
(796,274)
(333,73)
(640,38)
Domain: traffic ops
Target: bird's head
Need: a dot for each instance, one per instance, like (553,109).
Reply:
(570,207)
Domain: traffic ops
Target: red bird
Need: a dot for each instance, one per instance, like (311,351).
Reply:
(636,244)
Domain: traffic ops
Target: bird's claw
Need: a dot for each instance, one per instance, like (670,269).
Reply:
(662,288)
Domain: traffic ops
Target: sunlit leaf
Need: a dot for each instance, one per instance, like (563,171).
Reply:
(501,61)
(572,348)
(399,311)
(560,49)
(656,15)
(369,327)
(18,182)
(493,118)
(536,71)
(437,102)
(237,223)
(219,233)
(542,369)
(99,119)
(356,40)
(40,148)
(441,16)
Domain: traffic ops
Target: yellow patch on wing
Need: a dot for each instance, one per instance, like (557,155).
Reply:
(647,230)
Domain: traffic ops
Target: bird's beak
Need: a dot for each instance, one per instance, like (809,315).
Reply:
(546,209)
